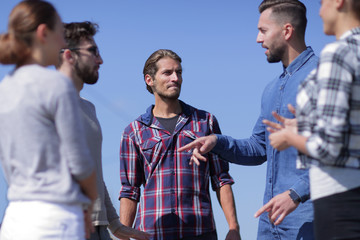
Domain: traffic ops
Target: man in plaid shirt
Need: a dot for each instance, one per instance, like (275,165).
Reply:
(175,202)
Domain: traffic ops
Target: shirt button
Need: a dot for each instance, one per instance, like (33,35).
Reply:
(172,210)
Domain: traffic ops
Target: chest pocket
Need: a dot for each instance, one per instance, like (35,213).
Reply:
(151,149)
(188,136)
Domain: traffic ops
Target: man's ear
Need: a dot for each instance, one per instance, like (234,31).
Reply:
(288,31)
(149,81)
(68,56)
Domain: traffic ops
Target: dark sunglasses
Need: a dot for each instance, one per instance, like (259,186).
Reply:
(93,50)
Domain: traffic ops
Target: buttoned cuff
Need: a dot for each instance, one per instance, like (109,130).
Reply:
(221,180)
(302,188)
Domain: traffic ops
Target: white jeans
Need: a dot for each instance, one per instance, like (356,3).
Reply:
(37,220)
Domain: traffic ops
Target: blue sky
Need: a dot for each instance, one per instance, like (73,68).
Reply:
(225,72)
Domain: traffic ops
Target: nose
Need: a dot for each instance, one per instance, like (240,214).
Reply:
(99,59)
(259,38)
(175,76)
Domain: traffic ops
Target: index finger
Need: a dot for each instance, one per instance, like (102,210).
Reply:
(187,147)
(263,209)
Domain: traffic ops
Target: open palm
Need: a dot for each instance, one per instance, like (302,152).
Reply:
(280,131)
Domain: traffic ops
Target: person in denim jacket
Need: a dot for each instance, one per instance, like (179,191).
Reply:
(282,25)
(326,130)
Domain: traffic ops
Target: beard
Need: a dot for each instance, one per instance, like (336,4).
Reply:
(276,54)
(86,74)
(173,95)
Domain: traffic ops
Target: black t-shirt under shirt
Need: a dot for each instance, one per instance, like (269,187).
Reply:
(168,123)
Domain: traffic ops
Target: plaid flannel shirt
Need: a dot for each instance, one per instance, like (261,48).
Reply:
(328,106)
(175,201)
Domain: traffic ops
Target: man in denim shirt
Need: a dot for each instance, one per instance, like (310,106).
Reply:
(282,25)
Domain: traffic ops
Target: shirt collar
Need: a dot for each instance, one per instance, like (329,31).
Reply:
(147,117)
(299,61)
(353,31)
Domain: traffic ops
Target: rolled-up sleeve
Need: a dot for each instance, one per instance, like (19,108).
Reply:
(131,174)
(219,172)
(219,169)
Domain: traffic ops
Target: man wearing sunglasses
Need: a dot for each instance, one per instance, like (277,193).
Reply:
(81,62)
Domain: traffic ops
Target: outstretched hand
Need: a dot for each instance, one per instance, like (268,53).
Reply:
(278,208)
(200,146)
(279,131)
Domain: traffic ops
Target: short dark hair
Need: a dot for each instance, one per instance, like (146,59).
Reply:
(151,67)
(292,11)
(75,32)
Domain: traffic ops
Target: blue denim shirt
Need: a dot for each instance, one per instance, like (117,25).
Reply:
(282,174)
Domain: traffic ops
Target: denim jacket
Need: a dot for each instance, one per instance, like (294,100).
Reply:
(282,174)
